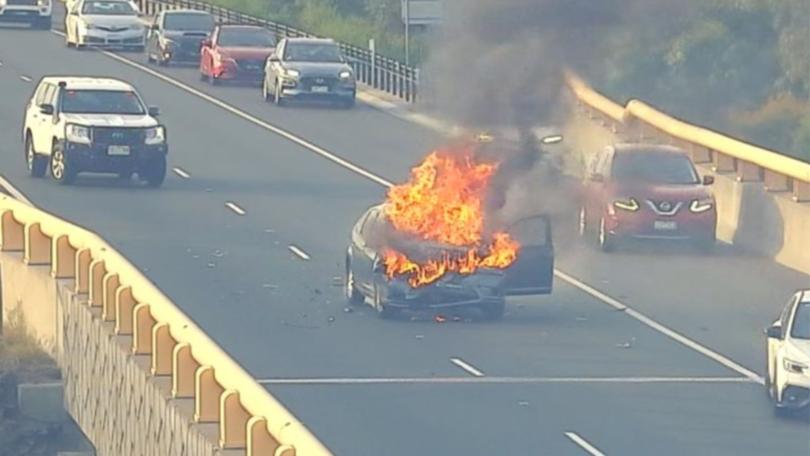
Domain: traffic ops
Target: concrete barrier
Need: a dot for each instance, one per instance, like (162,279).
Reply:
(140,376)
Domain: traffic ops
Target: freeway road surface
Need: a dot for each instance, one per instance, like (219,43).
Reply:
(557,376)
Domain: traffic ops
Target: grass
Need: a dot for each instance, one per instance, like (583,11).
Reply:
(20,353)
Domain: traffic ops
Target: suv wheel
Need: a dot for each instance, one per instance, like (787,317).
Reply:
(155,172)
(280,101)
(37,164)
(62,169)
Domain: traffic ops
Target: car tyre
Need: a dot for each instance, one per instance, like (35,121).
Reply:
(382,310)
(606,241)
(495,311)
(63,170)
(266,91)
(279,100)
(37,164)
(155,173)
(353,296)
(347,104)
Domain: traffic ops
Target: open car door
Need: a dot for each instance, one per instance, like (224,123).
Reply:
(532,273)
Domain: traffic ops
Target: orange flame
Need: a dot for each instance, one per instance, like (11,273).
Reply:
(443,202)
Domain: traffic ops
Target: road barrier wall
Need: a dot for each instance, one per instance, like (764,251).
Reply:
(762,196)
(140,377)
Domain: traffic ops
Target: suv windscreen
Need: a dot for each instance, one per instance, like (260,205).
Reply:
(654,167)
(312,52)
(246,38)
(109,8)
(801,323)
(190,21)
(101,102)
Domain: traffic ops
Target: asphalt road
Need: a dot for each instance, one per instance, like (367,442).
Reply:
(371,387)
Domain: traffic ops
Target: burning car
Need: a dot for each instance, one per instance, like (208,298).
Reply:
(431,244)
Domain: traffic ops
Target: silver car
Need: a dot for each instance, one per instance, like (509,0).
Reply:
(105,23)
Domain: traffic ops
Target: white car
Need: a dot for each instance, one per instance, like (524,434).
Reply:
(105,23)
(100,125)
(37,13)
(788,376)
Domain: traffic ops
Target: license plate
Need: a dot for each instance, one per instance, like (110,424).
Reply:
(118,150)
(320,89)
(665,225)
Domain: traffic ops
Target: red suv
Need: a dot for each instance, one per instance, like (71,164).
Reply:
(236,53)
(646,191)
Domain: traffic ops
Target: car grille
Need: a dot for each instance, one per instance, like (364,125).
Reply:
(665,207)
(308,82)
(105,136)
(113,28)
(252,65)
(21,2)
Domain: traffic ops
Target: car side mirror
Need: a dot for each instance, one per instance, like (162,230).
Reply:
(207,42)
(774,332)
(46,109)
(708,180)
(154,111)
(597,177)
(274,59)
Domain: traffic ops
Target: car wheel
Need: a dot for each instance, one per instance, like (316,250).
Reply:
(37,164)
(155,173)
(607,243)
(265,91)
(353,296)
(382,310)
(62,169)
(280,101)
(493,312)
(583,222)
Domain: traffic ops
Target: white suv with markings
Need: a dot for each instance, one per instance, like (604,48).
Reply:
(37,13)
(788,375)
(100,125)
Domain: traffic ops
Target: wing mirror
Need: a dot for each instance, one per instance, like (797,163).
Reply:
(46,109)
(597,177)
(154,111)
(774,332)
(274,59)
(708,180)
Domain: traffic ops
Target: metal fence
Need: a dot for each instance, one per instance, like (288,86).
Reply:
(372,69)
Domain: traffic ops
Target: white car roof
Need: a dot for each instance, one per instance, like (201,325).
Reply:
(87,83)
(804,296)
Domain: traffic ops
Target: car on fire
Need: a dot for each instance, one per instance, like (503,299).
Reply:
(236,53)
(105,23)
(177,36)
(366,279)
(309,68)
(787,377)
(647,192)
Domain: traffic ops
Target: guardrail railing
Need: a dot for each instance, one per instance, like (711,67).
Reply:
(750,163)
(248,416)
(371,68)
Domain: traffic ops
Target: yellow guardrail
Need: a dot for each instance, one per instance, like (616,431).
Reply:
(780,172)
(224,393)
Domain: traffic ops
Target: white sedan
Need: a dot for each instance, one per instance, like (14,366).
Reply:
(788,376)
(105,23)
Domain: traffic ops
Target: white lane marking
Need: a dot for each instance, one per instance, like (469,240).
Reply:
(13,191)
(592,450)
(232,206)
(725,361)
(181,172)
(469,368)
(501,380)
(25,78)
(373,177)
(250,118)
(298,252)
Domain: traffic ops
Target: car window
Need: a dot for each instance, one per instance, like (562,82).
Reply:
(51,93)
(108,8)
(39,96)
(242,37)
(312,52)
(654,167)
(101,102)
(188,21)
(801,322)
(368,227)
(783,319)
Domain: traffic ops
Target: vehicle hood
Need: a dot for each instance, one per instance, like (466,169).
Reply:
(685,193)
(108,120)
(798,350)
(318,68)
(245,52)
(112,21)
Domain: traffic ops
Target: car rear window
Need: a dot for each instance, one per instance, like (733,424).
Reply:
(801,322)
(101,102)
(109,8)
(188,21)
(246,38)
(654,167)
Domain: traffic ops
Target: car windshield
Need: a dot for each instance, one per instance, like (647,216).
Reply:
(654,167)
(188,21)
(246,38)
(801,322)
(312,52)
(101,102)
(109,8)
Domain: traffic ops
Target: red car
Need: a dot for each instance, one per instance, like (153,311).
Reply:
(236,53)
(645,191)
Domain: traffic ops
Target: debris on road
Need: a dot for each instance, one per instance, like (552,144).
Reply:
(523,403)
(439,318)
(337,281)
(628,344)
(582,318)
(331,319)
(348,310)
(420,336)
(219,253)
(270,286)
(212,265)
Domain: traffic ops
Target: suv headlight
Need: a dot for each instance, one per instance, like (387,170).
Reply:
(292,73)
(627,204)
(44,2)
(155,135)
(345,74)
(701,205)
(77,134)
(794,367)
(87,26)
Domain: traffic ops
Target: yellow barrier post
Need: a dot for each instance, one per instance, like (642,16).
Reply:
(233,420)
(37,246)
(83,259)
(184,371)
(142,323)
(109,287)
(162,348)
(124,309)
(206,395)
(97,272)
(12,232)
(259,441)
(63,264)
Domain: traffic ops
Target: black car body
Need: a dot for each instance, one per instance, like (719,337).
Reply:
(177,36)
(531,274)
(309,68)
